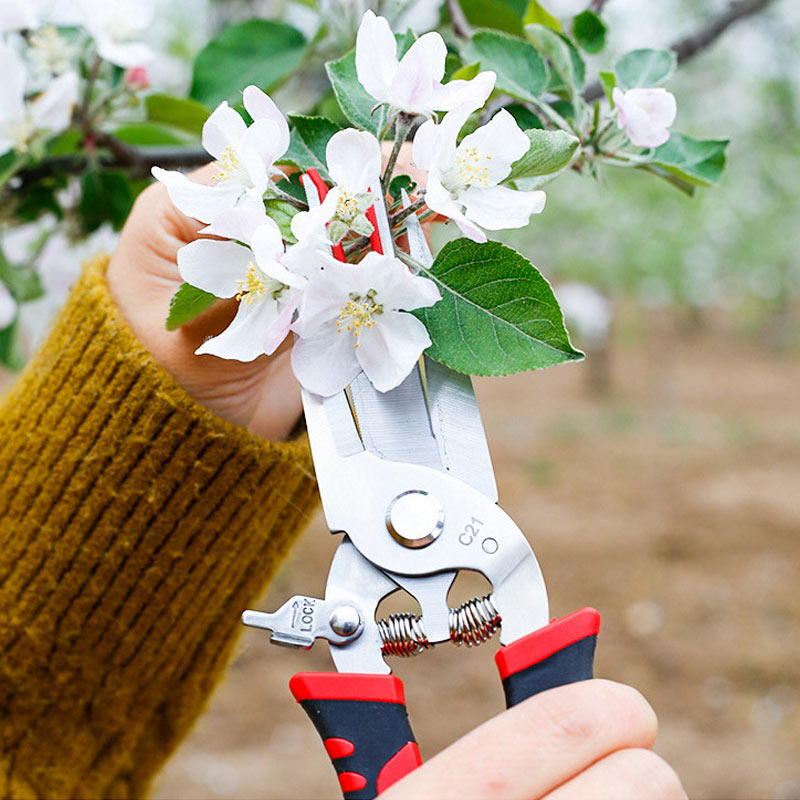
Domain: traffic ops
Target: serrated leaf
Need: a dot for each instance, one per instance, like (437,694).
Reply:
(549,152)
(498,314)
(644,68)
(695,161)
(182,113)
(282,213)
(589,31)
(258,51)
(608,80)
(536,14)
(186,304)
(356,104)
(563,56)
(308,141)
(520,70)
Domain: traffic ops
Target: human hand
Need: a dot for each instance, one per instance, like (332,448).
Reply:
(583,741)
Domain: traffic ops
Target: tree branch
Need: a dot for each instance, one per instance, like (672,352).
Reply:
(597,6)
(689,46)
(461,26)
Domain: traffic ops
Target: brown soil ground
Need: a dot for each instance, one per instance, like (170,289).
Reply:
(672,504)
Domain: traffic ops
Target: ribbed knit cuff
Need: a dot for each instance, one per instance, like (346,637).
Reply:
(135,525)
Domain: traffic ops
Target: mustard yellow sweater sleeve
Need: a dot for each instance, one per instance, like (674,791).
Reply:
(135,526)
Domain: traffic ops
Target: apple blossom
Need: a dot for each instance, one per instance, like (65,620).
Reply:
(254,273)
(414,83)
(50,53)
(354,164)
(245,158)
(463,179)
(137,78)
(115,25)
(50,111)
(645,114)
(352,319)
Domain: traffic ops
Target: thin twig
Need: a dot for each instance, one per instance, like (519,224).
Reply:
(458,18)
(401,128)
(394,220)
(597,6)
(287,198)
(689,46)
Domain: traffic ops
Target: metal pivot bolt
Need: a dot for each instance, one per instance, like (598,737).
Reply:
(345,620)
(415,518)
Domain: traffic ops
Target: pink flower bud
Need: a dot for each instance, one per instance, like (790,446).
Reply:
(136,78)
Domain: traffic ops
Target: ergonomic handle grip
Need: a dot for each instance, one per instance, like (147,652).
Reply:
(560,653)
(363,723)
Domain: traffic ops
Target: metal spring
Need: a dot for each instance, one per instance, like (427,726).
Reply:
(472,623)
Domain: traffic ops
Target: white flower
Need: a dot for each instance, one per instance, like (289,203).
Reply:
(463,179)
(21,121)
(8,307)
(50,53)
(115,25)
(413,84)
(244,155)
(18,15)
(352,319)
(253,273)
(645,114)
(354,165)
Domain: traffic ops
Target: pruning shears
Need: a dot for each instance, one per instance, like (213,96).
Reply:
(406,477)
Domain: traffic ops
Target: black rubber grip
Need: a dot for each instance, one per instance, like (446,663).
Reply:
(369,740)
(560,653)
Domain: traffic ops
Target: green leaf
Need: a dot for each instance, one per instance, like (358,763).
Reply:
(353,99)
(536,14)
(11,355)
(524,116)
(645,68)
(695,161)
(147,134)
(589,31)
(308,141)
(608,80)
(186,304)
(22,282)
(549,152)
(498,314)
(521,72)
(400,182)
(282,212)
(564,57)
(501,16)
(258,51)
(184,114)
(105,197)
(467,72)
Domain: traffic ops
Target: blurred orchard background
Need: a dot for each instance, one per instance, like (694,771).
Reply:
(659,480)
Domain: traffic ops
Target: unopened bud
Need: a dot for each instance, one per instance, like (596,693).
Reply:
(137,79)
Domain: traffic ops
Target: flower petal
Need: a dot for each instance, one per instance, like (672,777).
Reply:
(224,128)
(260,105)
(245,338)
(123,54)
(472,93)
(395,284)
(501,142)
(376,56)
(325,295)
(198,200)
(238,223)
(354,159)
(425,143)
(326,363)
(52,109)
(12,87)
(498,207)
(388,350)
(215,267)
(420,70)
(438,199)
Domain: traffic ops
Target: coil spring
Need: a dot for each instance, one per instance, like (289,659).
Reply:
(472,623)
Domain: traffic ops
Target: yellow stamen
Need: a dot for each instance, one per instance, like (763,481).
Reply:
(252,286)
(472,167)
(228,163)
(359,313)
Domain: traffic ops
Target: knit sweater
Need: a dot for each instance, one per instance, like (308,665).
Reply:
(135,526)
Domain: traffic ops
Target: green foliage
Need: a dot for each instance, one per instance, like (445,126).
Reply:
(569,69)
(549,152)
(524,116)
(521,72)
(645,68)
(496,14)
(106,196)
(693,161)
(536,14)
(11,355)
(184,114)
(356,104)
(187,303)
(398,183)
(146,134)
(608,80)
(309,139)
(258,51)
(497,316)
(21,281)
(589,31)
(282,212)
